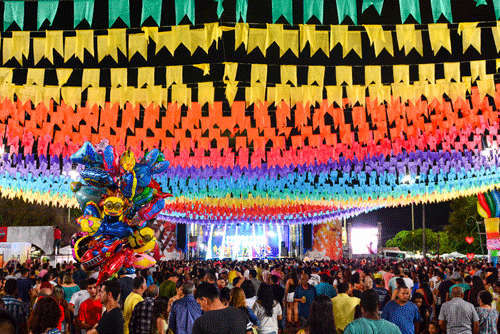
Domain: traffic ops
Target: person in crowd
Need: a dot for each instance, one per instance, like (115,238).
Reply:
(356,285)
(76,300)
(472,294)
(457,280)
(184,311)
(367,279)
(10,273)
(325,288)
(250,293)
(16,307)
(126,285)
(66,320)
(168,287)
(57,239)
(159,316)
(381,291)
(402,312)
(25,286)
(178,295)
(344,307)
(147,275)
(321,319)
(7,322)
(279,295)
(304,295)
(225,295)
(45,317)
(78,274)
(90,310)
(69,287)
(218,319)
(425,310)
(112,319)
(253,278)
(457,315)
(267,310)
(140,320)
(370,321)
(488,316)
(292,307)
(132,300)
(237,300)
(425,290)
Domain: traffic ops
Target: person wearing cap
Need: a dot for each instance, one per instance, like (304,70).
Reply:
(457,315)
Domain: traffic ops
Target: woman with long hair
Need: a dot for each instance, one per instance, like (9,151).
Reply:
(159,317)
(472,294)
(488,316)
(237,299)
(58,295)
(45,317)
(292,307)
(267,310)
(425,311)
(321,319)
(69,286)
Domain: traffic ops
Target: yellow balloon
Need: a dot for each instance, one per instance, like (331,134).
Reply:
(127,161)
(89,224)
(142,240)
(481,211)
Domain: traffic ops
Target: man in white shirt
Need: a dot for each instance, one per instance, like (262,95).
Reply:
(77,299)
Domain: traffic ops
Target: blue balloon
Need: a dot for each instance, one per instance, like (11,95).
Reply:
(87,156)
(160,167)
(86,194)
(97,177)
(92,210)
(143,175)
(109,159)
(127,184)
(152,157)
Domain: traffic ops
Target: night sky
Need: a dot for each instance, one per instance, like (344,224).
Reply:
(397,219)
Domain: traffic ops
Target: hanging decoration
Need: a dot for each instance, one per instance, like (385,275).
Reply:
(84,10)
(13,12)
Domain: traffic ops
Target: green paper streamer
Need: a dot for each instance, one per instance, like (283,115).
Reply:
(378,4)
(183,8)
(347,8)
(313,8)
(441,7)
(13,12)
(84,9)
(119,9)
(410,7)
(283,7)
(151,8)
(47,10)
(496,6)
(241,10)
(220,9)
(481,2)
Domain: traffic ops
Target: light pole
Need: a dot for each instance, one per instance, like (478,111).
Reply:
(424,248)
(412,229)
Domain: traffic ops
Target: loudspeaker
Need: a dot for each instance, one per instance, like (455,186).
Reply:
(307,234)
(284,251)
(181,237)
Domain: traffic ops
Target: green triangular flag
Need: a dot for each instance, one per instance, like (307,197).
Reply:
(313,7)
(378,4)
(84,9)
(496,5)
(47,10)
(241,10)
(441,7)
(119,9)
(282,7)
(410,7)
(183,8)
(13,12)
(151,8)
(347,8)
(480,2)
(220,9)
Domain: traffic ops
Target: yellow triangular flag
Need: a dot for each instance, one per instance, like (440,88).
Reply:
(373,75)
(206,93)
(51,92)
(212,32)
(356,94)
(164,41)
(409,38)
(343,75)
(334,94)
(257,39)
(380,92)
(271,95)
(496,35)
(54,42)
(7,49)
(353,43)
(38,49)
(5,75)
(198,40)
(71,95)
(63,75)
(174,74)
(457,90)
(275,35)
(259,73)
(241,33)
(141,96)
(102,47)
(180,34)
(255,93)
(307,34)
(322,42)
(426,72)
(401,73)
(230,70)
(296,95)
(439,35)
(452,71)
(292,42)
(21,44)
(90,77)
(316,74)
(84,40)
(153,95)
(69,49)
(114,95)
(338,34)
(478,69)
(145,75)
(137,43)
(150,32)
(231,90)
(96,95)
(471,35)
(117,40)
(486,86)
(204,67)
(35,76)
(118,77)
(289,74)
(282,93)
(375,33)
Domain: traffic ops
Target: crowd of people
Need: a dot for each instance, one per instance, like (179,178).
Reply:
(262,296)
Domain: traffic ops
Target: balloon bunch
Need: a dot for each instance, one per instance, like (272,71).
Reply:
(488,204)
(118,198)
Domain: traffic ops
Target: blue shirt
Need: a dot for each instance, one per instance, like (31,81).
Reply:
(403,316)
(310,293)
(326,289)
(183,314)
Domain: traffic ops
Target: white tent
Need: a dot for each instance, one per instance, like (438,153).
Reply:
(453,255)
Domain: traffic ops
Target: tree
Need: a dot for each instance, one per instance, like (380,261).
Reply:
(462,223)
(406,241)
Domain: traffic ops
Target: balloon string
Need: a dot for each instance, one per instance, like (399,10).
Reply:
(134,185)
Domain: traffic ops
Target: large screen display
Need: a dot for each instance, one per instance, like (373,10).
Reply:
(364,240)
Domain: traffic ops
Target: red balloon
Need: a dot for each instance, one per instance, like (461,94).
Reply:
(470,256)
(469,240)
(112,265)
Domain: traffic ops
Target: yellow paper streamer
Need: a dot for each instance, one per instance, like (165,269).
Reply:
(174,74)
(258,73)
(54,42)
(241,35)
(257,39)
(137,43)
(343,75)
(117,40)
(426,72)
(118,77)
(206,93)
(289,74)
(316,74)
(145,75)
(471,35)
(35,76)
(204,67)
(90,77)
(439,35)
(63,75)
(38,49)
(373,75)
(401,74)
(452,71)
(84,41)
